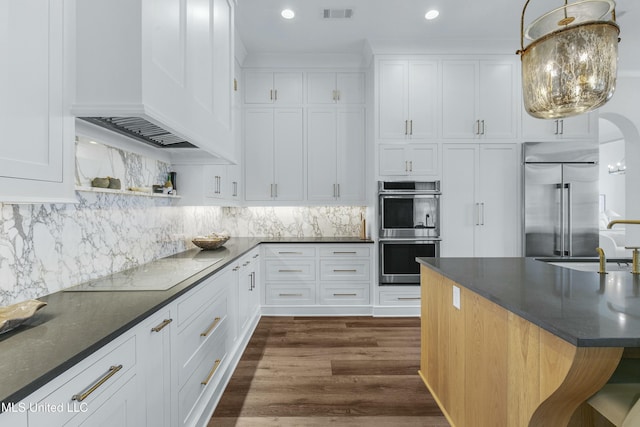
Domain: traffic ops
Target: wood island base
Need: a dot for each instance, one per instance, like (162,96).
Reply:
(486,366)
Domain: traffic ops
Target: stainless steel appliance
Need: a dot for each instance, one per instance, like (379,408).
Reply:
(560,198)
(409,227)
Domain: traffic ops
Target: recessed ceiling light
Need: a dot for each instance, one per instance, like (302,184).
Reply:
(432,14)
(288,14)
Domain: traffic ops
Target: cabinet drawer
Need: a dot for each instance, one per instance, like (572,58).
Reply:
(351,269)
(206,374)
(402,298)
(195,300)
(345,251)
(89,386)
(295,270)
(282,251)
(192,341)
(344,294)
(290,294)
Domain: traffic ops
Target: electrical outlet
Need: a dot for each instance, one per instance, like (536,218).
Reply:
(456,297)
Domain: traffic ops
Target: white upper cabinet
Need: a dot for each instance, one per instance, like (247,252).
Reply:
(265,87)
(335,88)
(479,99)
(273,160)
(168,61)
(335,155)
(583,126)
(37,148)
(407,99)
(415,160)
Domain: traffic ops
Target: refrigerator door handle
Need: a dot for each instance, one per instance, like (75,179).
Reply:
(569,220)
(560,186)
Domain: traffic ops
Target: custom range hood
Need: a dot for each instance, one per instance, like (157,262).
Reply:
(141,130)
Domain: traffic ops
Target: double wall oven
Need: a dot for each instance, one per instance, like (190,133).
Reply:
(408,227)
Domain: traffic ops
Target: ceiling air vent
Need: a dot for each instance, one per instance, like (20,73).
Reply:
(337,13)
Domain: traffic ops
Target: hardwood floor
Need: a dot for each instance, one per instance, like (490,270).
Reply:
(339,371)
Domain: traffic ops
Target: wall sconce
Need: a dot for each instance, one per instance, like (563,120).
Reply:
(570,66)
(618,168)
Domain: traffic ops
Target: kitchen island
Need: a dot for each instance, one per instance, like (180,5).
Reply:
(519,342)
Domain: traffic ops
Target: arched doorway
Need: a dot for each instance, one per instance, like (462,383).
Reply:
(631,137)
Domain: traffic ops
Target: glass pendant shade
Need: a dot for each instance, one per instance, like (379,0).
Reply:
(571,67)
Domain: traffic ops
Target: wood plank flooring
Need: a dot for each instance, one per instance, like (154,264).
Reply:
(338,371)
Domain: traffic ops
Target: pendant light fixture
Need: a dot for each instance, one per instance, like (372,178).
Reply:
(570,66)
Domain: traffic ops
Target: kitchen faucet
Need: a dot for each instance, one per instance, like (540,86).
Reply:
(634,261)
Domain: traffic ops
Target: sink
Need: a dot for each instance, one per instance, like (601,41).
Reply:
(158,275)
(592,265)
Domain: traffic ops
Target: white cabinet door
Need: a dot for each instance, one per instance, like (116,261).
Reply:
(407,99)
(350,88)
(288,154)
(15,416)
(480,200)
(258,87)
(274,162)
(335,88)
(459,99)
(479,99)
(392,99)
(335,155)
(321,88)
(496,236)
(392,160)
(259,154)
(322,161)
(350,155)
(153,339)
(423,98)
(458,201)
(37,131)
(264,87)
(582,126)
(408,160)
(119,410)
(497,92)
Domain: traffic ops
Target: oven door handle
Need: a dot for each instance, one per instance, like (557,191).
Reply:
(410,240)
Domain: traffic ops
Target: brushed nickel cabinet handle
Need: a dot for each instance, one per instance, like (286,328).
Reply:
(244,264)
(338,94)
(344,252)
(482,121)
(408,299)
(256,256)
(561,127)
(345,271)
(338,185)
(289,253)
(345,295)
(289,271)
(290,295)
(410,165)
(406,127)
(211,372)
(557,128)
(271,95)
(410,127)
(211,327)
(161,326)
(276,94)
(333,95)
(82,396)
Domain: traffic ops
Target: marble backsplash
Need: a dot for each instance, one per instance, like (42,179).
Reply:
(48,247)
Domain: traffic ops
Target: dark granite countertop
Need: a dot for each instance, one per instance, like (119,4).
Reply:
(74,325)
(584,308)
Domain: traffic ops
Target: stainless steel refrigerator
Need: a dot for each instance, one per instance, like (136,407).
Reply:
(560,199)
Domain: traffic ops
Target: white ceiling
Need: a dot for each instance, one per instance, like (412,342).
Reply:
(401,22)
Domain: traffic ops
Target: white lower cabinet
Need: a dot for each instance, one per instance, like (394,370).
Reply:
(15,415)
(313,276)
(415,160)
(154,354)
(102,390)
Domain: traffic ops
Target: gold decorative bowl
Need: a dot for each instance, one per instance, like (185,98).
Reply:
(14,315)
(210,242)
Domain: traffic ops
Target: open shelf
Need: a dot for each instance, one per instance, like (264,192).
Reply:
(126,192)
